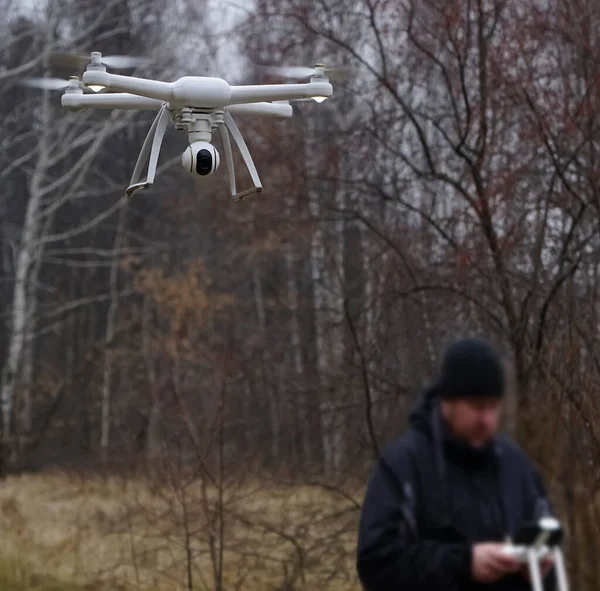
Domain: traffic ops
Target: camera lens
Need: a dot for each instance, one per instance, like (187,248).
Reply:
(204,162)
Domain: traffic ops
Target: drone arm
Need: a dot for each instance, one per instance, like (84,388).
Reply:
(112,100)
(279,92)
(154,89)
(206,91)
(209,92)
(279,111)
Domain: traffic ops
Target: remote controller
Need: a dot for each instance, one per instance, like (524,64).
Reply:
(521,552)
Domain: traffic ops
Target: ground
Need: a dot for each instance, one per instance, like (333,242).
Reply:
(74,533)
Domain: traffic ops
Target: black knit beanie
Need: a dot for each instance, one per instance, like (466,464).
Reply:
(471,368)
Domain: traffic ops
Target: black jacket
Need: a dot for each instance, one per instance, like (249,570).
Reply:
(429,499)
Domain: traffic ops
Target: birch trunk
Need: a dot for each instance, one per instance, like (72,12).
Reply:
(328,295)
(27,372)
(25,423)
(372,299)
(335,289)
(26,257)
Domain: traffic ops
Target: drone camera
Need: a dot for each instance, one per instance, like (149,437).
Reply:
(201,158)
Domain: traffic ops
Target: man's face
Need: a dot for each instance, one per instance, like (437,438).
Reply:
(475,421)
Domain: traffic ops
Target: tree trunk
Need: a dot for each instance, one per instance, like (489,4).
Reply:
(322,347)
(110,333)
(275,418)
(301,415)
(154,416)
(22,290)
(335,289)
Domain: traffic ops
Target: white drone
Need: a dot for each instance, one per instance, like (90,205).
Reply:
(196,104)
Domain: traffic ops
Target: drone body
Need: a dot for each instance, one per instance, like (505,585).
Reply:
(199,105)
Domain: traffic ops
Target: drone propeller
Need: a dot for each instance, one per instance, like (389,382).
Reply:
(336,74)
(73,60)
(53,83)
(50,83)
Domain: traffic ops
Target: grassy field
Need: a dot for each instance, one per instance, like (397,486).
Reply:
(70,533)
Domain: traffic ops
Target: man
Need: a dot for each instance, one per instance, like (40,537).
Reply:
(443,498)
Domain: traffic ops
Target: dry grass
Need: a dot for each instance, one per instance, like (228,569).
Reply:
(111,534)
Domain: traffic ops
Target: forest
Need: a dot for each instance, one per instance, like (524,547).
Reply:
(196,387)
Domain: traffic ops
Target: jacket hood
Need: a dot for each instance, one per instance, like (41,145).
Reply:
(420,415)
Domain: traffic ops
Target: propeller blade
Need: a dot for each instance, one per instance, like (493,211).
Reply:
(49,83)
(124,61)
(340,74)
(74,60)
(68,60)
(291,71)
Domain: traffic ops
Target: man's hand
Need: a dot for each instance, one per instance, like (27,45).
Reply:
(490,564)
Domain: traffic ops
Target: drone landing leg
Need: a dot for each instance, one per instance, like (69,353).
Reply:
(561,571)
(534,570)
(241,144)
(155,135)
